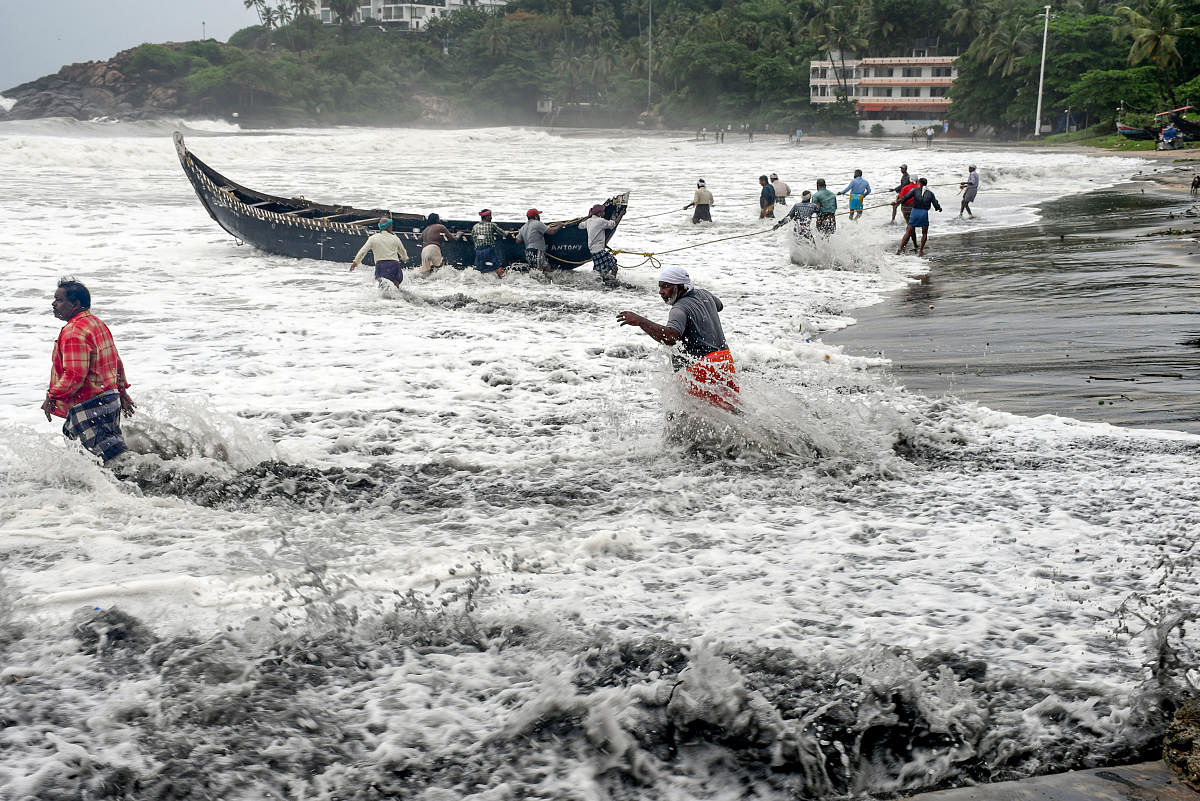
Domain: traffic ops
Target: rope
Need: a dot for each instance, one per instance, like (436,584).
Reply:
(654,261)
(653,258)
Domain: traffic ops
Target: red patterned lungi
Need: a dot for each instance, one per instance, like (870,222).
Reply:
(713,379)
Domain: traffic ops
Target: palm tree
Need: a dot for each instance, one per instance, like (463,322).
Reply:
(343,14)
(260,8)
(494,40)
(972,17)
(1006,45)
(302,8)
(836,26)
(1155,27)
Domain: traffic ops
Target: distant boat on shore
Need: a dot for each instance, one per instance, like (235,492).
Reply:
(306,230)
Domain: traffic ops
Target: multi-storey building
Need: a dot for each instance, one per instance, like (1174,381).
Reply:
(406,16)
(901,93)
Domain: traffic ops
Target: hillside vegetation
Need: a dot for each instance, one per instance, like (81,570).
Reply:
(706,63)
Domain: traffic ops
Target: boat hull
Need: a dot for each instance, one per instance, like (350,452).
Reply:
(302,229)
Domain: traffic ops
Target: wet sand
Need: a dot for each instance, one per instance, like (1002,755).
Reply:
(1090,313)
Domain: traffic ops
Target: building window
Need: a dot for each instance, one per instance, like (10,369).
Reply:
(883,91)
(918,54)
(938,91)
(910,91)
(912,72)
(820,72)
(941,72)
(883,72)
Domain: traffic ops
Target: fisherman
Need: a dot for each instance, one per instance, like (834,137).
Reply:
(922,199)
(905,206)
(603,261)
(386,247)
(694,319)
(802,214)
(766,198)
(782,190)
(533,235)
(703,201)
(485,233)
(970,188)
(432,237)
(858,189)
(826,209)
(904,181)
(87,378)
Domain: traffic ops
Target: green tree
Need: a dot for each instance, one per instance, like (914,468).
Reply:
(1155,28)
(836,26)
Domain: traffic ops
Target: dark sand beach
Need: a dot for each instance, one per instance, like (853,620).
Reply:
(1089,313)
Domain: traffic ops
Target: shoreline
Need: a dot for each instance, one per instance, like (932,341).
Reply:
(1041,319)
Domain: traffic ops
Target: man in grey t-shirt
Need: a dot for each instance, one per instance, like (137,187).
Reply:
(533,234)
(695,321)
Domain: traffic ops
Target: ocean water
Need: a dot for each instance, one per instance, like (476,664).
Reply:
(454,542)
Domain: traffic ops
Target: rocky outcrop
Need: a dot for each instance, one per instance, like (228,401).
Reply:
(97,89)
(1181,745)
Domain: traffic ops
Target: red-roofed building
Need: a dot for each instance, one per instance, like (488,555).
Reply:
(901,92)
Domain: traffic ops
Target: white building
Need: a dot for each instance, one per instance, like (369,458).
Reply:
(407,16)
(900,93)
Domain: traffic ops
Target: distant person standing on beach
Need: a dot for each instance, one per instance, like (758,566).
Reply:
(922,199)
(87,378)
(386,248)
(970,188)
(703,201)
(766,198)
(858,188)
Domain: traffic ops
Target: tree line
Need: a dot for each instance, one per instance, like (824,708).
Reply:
(692,63)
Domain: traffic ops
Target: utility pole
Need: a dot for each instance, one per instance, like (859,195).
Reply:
(649,53)
(1037,120)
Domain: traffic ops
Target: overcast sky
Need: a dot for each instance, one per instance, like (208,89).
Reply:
(37,38)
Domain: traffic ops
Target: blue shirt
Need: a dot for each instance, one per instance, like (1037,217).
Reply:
(857,186)
(767,196)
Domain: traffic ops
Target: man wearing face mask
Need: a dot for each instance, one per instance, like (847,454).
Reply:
(693,320)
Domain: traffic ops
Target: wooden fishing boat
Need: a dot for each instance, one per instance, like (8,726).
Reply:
(1141,134)
(306,230)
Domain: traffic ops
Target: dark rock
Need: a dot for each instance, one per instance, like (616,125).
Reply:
(1181,745)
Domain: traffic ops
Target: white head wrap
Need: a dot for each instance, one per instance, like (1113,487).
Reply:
(675,275)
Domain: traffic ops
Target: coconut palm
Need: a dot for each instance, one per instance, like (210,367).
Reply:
(836,26)
(260,8)
(1155,28)
(301,8)
(1010,41)
(972,17)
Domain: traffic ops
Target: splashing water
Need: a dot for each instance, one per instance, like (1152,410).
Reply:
(473,540)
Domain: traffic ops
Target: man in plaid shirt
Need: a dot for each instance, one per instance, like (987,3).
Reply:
(87,379)
(485,233)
